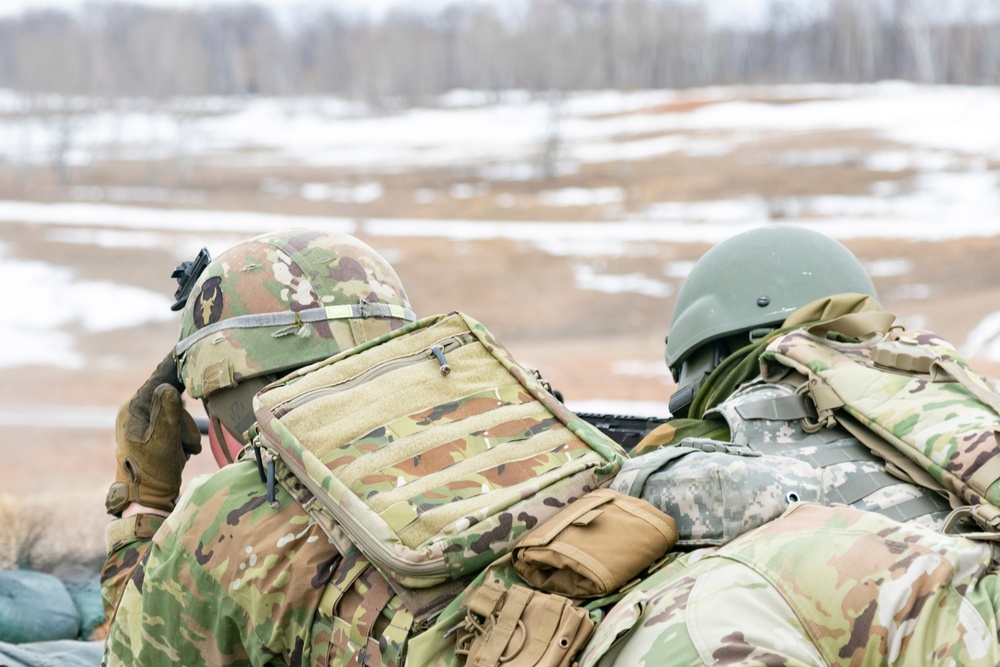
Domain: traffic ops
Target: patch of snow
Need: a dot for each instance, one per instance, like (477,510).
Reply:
(641,368)
(469,190)
(984,339)
(746,209)
(361,193)
(48,299)
(892,266)
(424,196)
(588,279)
(581,196)
(677,269)
(57,416)
(908,292)
(643,229)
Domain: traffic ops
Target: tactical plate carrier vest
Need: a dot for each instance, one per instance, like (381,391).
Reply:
(770,418)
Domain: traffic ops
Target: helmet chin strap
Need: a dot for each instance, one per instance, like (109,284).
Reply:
(696,369)
(692,375)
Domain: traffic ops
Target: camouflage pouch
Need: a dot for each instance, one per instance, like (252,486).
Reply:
(520,627)
(909,396)
(429,448)
(578,552)
(717,495)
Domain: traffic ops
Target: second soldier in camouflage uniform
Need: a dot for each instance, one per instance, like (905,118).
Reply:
(789,583)
(737,298)
(225,579)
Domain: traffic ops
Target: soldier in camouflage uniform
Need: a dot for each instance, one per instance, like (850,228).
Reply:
(218,577)
(738,297)
(867,580)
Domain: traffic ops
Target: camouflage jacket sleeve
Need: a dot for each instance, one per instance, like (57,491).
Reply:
(817,586)
(227,579)
(128,543)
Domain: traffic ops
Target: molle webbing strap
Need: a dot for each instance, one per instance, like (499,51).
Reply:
(395,634)
(914,507)
(857,488)
(375,596)
(289,318)
(845,452)
(784,408)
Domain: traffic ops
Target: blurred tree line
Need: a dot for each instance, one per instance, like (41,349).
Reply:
(406,55)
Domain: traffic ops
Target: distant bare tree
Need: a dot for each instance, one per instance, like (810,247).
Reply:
(408,55)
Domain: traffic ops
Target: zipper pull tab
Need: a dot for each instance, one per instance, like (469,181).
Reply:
(271,490)
(439,355)
(256,444)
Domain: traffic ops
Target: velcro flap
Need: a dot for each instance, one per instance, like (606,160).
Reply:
(585,506)
(585,519)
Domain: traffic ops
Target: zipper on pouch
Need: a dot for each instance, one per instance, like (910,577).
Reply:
(372,547)
(437,352)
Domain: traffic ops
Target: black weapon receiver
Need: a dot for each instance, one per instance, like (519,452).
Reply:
(626,430)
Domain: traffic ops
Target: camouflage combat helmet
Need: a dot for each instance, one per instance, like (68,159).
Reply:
(278,302)
(750,283)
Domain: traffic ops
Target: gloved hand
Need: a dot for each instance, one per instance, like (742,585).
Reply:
(154,437)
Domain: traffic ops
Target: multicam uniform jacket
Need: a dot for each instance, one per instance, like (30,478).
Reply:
(817,586)
(227,580)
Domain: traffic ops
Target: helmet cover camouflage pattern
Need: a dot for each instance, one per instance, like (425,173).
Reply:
(283,300)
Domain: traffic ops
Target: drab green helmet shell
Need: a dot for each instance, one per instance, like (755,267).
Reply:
(281,301)
(757,279)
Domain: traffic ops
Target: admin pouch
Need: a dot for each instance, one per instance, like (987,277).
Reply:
(717,491)
(429,448)
(579,552)
(909,396)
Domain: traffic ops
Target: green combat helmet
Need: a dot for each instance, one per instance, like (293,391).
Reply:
(743,288)
(275,303)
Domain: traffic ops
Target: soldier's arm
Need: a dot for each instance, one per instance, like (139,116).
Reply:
(128,541)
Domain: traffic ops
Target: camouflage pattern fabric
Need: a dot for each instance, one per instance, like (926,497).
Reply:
(334,291)
(436,646)
(715,496)
(941,424)
(818,586)
(433,474)
(851,473)
(228,580)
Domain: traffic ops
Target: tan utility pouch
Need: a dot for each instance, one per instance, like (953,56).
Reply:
(595,545)
(521,628)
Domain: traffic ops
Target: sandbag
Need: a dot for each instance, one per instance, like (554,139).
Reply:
(62,653)
(86,595)
(35,607)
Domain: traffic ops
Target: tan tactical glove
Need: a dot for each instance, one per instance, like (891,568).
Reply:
(154,437)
